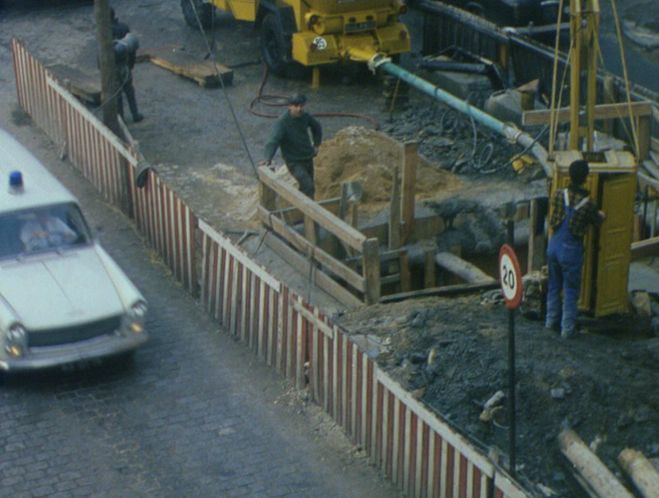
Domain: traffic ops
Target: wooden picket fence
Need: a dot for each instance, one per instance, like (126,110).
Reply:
(414,447)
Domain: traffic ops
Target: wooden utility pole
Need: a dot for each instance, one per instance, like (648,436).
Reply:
(109,82)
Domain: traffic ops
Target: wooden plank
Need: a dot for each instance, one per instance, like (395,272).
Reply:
(447,290)
(371,262)
(645,248)
(326,203)
(601,111)
(590,468)
(462,268)
(394,212)
(651,168)
(645,180)
(643,133)
(641,471)
(205,73)
(320,279)
(334,265)
(410,159)
(317,322)
(405,275)
(429,274)
(324,218)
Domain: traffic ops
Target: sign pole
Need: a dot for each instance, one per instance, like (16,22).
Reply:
(511,389)
(510,277)
(512,407)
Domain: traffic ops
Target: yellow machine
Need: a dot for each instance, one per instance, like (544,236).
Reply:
(312,32)
(612,179)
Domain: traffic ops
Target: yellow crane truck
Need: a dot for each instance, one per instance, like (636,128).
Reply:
(313,32)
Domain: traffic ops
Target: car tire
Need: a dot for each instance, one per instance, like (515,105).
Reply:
(205,11)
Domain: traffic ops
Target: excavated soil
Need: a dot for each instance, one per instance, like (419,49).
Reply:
(357,154)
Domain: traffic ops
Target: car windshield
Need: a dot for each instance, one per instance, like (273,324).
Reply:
(50,228)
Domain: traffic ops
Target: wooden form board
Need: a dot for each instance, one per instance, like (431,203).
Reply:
(603,111)
(303,245)
(205,73)
(318,278)
(351,236)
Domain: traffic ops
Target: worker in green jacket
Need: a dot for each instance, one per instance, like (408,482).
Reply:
(291,134)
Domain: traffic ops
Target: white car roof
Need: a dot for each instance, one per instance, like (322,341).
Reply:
(40,188)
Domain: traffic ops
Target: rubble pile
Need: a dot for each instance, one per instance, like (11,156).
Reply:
(452,355)
(452,140)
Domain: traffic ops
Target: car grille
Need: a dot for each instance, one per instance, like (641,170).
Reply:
(68,335)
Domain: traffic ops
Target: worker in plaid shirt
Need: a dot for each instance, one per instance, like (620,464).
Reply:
(572,214)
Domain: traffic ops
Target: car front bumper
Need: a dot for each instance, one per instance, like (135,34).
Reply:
(51,356)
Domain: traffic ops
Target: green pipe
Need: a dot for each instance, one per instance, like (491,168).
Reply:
(510,131)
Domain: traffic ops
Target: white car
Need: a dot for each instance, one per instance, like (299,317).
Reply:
(62,297)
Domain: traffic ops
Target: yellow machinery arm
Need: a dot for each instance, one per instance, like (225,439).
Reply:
(312,32)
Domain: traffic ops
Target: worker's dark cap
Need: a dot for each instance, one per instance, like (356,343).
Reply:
(297,99)
(578,171)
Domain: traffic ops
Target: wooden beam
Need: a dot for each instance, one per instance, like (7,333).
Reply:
(602,111)
(463,269)
(371,264)
(645,248)
(204,73)
(303,245)
(405,276)
(595,474)
(394,212)
(446,290)
(641,471)
(408,189)
(429,274)
(647,180)
(326,203)
(324,218)
(317,322)
(643,132)
(301,264)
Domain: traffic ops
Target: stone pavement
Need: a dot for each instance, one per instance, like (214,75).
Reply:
(193,415)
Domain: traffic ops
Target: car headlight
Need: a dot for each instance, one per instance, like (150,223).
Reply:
(136,318)
(16,340)
(139,309)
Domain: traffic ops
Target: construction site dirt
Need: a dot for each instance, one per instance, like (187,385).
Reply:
(451,353)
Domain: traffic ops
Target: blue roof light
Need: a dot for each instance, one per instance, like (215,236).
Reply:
(15,182)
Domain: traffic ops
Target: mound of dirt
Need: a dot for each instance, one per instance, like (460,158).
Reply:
(369,157)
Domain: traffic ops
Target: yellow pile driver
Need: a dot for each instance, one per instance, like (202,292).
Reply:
(312,32)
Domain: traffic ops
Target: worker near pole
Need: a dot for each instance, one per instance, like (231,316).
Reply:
(572,214)
(291,134)
(125,45)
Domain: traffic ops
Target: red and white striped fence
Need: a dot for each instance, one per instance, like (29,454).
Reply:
(417,450)
(108,164)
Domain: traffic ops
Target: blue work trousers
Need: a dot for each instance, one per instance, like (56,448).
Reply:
(565,259)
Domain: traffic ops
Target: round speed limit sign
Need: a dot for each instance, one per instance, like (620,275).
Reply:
(510,277)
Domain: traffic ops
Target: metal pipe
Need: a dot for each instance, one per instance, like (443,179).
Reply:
(509,131)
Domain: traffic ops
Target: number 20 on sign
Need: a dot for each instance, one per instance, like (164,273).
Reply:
(510,277)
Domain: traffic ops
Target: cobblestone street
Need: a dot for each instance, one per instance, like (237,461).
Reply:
(192,415)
